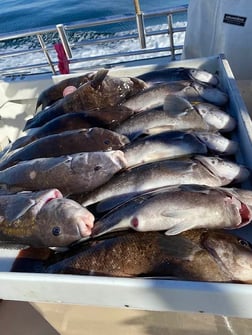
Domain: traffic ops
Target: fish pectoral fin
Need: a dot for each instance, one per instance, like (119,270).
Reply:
(178,246)
(158,129)
(179,227)
(17,210)
(177,221)
(177,105)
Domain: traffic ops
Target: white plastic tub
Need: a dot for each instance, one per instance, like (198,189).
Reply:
(139,293)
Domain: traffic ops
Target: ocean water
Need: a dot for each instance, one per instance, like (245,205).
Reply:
(23,14)
(18,15)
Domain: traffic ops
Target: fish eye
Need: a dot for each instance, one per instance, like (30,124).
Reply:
(56,231)
(107,141)
(244,243)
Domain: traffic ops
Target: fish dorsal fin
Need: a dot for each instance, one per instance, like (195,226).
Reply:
(98,78)
(111,202)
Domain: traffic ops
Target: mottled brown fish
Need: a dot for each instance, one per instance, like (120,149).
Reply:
(194,255)
(99,97)
(55,92)
(42,219)
(76,173)
(66,143)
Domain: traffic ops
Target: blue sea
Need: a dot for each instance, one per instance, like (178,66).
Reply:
(23,15)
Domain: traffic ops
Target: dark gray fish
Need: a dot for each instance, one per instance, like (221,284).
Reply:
(76,173)
(180,73)
(176,209)
(42,218)
(70,121)
(202,170)
(66,143)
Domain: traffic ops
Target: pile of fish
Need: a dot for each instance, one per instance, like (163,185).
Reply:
(131,176)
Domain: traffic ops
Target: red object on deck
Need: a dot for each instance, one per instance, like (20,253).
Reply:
(63,63)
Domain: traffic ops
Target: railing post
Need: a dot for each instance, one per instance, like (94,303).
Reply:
(64,40)
(170,32)
(43,46)
(140,24)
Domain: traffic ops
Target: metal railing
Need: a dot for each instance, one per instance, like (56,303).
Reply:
(62,31)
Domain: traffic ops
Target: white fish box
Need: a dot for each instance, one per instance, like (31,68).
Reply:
(146,293)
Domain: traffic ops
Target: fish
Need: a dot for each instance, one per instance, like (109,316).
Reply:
(155,95)
(55,92)
(71,174)
(201,170)
(218,143)
(195,255)
(66,143)
(175,209)
(211,94)
(221,246)
(175,144)
(42,219)
(176,114)
(57,125)
(179,73)
(98,97)
(215,116)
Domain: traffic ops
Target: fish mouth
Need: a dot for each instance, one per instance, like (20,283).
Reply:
(85,225)
(243,210)
(236,173)
(245,214)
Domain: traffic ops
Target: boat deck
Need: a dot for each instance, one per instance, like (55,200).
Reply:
(55,319)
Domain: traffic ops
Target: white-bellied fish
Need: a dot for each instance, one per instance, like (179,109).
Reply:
(155,95)
(177,114)
(174,144)
(176,209)
(202,170)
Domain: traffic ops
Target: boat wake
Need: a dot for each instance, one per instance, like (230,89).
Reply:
(104,46)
